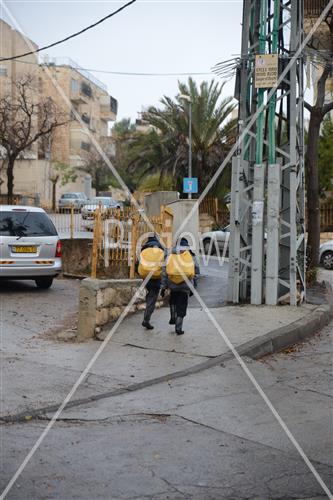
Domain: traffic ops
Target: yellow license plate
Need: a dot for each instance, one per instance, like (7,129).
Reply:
(24,249)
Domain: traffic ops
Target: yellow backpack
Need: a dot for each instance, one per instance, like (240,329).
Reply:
(151,260)
(178,265)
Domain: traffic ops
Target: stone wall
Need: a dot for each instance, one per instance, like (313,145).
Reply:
(206,223)
(103,301)
(76,256)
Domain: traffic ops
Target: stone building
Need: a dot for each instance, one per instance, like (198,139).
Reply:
(88,107)
(27,172)
(77,93)
(12,43)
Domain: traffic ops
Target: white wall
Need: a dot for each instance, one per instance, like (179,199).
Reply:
(180,210)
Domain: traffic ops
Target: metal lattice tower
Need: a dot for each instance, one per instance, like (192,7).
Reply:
(267,243)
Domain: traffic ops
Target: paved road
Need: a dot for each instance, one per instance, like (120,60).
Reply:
(206,436)
(213,282)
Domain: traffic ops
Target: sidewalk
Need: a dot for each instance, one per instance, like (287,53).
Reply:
(136,358)
(151,420)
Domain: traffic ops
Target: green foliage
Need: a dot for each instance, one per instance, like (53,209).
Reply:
(123,133)
(326,156)
(164,149)
(154,182)
(100,173)
(63,173)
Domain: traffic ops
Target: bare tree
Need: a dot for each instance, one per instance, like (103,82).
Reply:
(25,117)
(321,47)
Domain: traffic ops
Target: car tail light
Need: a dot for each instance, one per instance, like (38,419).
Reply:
(58,249)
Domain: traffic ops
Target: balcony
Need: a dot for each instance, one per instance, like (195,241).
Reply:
(86,90)
(80,94)
(77,97)
(108,108)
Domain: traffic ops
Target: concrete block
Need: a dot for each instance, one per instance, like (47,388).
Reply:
(87,312)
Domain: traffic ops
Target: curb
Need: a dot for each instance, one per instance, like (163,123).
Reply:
(283,337)
(273,341)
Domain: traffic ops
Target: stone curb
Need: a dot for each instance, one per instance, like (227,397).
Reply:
(295,332)
(273,341)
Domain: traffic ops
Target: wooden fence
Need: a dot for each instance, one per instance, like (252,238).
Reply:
(221,214)
(326,217)
(214,208)
(119,235)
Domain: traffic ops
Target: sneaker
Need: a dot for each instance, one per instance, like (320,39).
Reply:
(147,325)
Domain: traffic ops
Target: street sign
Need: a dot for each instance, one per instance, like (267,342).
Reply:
(266,70)
(190,185)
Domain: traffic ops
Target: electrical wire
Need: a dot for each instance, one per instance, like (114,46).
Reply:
(125,73)
(70,36)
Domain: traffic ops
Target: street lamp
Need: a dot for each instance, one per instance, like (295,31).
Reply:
(188,99)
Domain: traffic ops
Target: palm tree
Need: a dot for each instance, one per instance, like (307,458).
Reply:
(165,148)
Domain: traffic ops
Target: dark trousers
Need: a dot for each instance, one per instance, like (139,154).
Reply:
(152,288)
(180,301)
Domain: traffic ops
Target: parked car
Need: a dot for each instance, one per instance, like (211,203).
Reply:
(326,254)
(77,200)
(213,240)
(30,247)
(105,202)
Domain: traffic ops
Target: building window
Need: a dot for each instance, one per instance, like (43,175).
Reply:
(3,70)
(85,118)
(86,89)
(85,146)
(74,85)
(114,105)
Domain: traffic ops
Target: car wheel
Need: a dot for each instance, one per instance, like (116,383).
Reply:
(44,282)
(327,260)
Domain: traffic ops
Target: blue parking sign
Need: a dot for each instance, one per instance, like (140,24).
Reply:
(190,185)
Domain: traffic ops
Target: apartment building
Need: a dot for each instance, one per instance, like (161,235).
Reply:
(12,43)
(87,106)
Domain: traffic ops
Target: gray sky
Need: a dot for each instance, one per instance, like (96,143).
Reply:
(162,36)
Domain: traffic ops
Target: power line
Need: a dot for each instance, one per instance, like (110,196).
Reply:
(125,73)
(70,36)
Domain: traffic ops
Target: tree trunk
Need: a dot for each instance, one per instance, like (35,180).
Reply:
(313,202)
(316,117)
(54,190)
(97,182)
(10,180)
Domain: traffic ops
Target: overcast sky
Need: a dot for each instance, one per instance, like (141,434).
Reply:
(153,36)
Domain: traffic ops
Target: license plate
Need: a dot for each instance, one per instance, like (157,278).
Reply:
(24,249)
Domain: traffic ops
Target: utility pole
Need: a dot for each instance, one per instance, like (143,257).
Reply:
(267,243)
(189,100)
